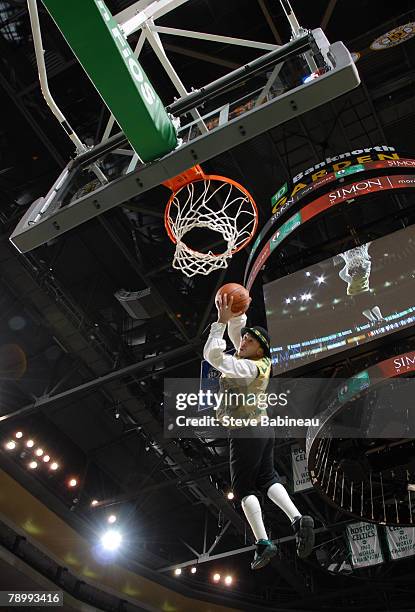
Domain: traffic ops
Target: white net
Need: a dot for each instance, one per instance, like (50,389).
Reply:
(213,204)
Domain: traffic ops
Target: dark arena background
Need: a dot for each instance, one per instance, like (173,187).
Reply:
(310,107)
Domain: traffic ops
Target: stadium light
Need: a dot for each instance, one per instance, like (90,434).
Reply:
(33,465)
(111,539)
(18,435)
(11,445)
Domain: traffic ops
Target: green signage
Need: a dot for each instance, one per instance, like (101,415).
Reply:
(104,53)
(285,229)
(349,170)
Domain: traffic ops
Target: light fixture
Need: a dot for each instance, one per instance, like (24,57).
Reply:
(216,577)
(177,571)
(111,539)
(287,301)
(320,279)
(230,495)
(11,445)
(54,466)
(18,435)
(193,570)
(30,443)
(94,502)
(72,482)
(39,452)
(228,580)
(308,273)
(33,465)
(112,518)
(46,458)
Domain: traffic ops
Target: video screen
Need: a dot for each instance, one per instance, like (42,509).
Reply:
(352,298)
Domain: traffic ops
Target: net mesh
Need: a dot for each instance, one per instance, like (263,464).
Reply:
(224,208)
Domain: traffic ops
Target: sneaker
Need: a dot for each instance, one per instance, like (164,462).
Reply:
(303,527)
(265,550)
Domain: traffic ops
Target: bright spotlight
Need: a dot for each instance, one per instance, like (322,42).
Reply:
(39,452)
(193,570)
(216,577)
(94,502)
(72,483)
(321,279)
(54,466)
(230,495)
(30,443)
(11,445)
(112,518)
(33,465)
(228,580)
(308,273)
(287,301)
(111,539)
(177,571)
(46,458)
(18,435)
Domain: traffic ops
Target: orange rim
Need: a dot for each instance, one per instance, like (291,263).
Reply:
(182,179)
(222,179)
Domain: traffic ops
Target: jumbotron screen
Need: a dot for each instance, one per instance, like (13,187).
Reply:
(352,298)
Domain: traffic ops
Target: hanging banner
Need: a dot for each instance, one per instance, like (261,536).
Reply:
(364,544)
(401,541)
(301,478)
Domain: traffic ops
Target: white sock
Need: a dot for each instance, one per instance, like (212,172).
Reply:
(278,494)
(377,313)
(253,513)
(369,315)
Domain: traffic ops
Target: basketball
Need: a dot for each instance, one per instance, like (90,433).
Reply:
(240,296)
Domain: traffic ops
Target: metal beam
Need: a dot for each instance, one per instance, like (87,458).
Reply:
(139,269)
(327,14)
(45,402)
(205,57)
(226,40)
(344,77)
(27,114)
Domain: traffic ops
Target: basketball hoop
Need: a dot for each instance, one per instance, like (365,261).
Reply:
(212,202)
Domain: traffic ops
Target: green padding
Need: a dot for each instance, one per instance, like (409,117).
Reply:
(107,58)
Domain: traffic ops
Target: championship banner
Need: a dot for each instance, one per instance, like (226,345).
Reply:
(401,541)
(301,478)
(364,544)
